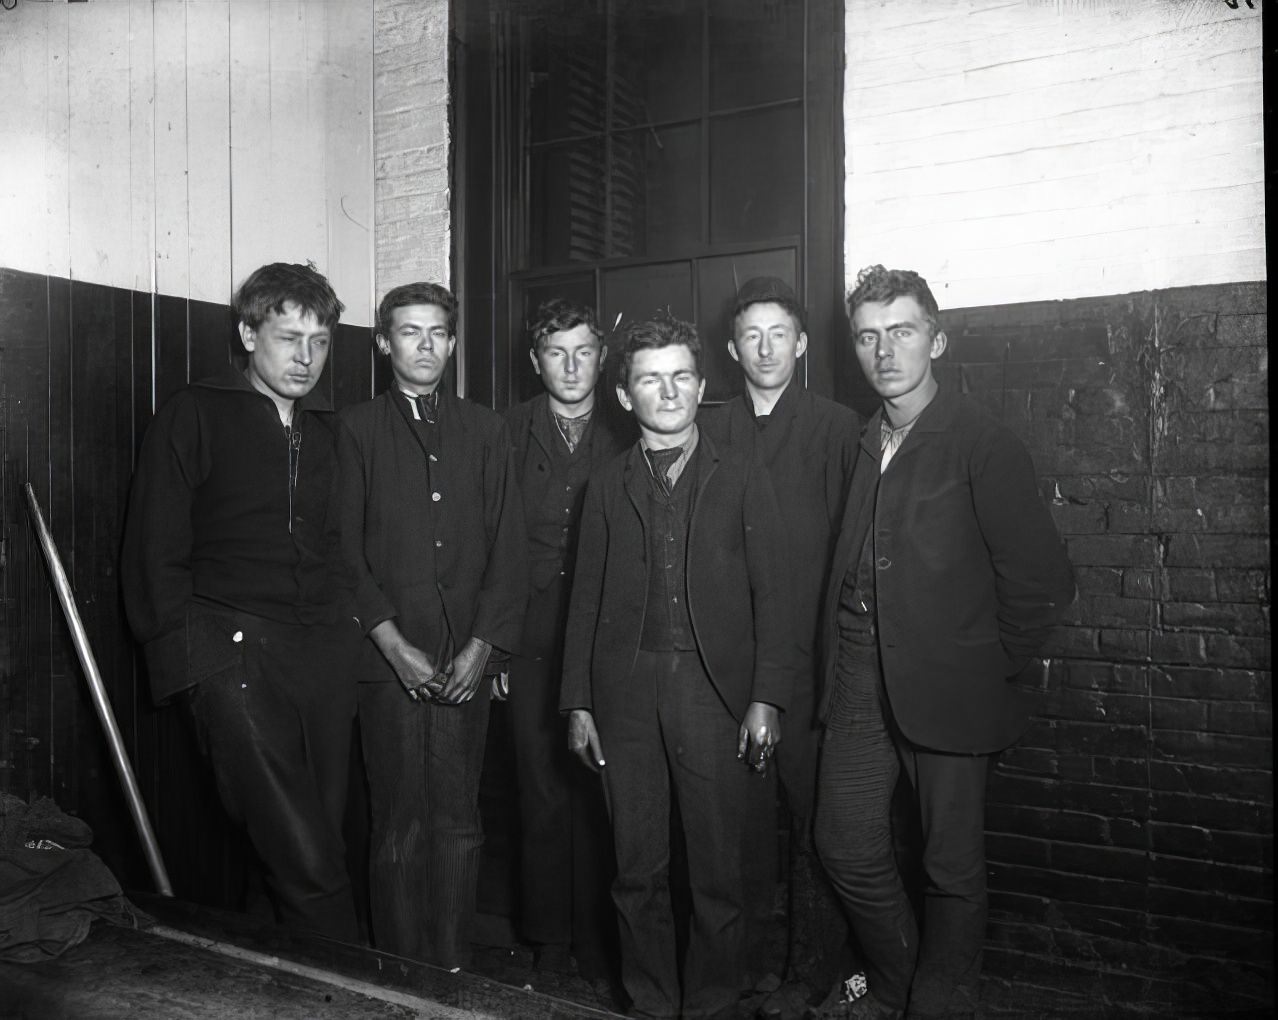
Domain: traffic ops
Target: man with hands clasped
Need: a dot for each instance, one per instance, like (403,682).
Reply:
(679,658)
(433,528)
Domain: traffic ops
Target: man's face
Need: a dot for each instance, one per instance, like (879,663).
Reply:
(895,345)
(419,346)
(286,352)
(663,390)
(568,363)
(768,345)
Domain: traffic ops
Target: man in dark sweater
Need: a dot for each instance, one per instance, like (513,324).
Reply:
(808,445)
(565,847)
(678,660)
(433,529)
(947,578)
(235,584)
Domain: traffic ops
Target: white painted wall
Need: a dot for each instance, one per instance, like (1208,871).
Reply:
(172,146)
(1020,150)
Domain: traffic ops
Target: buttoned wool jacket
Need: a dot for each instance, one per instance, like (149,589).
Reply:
(534,434)
(454,523)
(737,593)
(970,575)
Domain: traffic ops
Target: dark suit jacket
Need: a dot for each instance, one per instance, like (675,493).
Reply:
(809,447)
(970,575)
(473,537)
(736,588)
(534,435)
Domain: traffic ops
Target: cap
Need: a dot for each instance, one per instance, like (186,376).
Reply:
(765,288)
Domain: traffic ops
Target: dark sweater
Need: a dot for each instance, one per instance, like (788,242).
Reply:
(213,520)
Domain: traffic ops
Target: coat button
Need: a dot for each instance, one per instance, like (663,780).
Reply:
(439,543)
(434,459)
(436,496)
(883,563)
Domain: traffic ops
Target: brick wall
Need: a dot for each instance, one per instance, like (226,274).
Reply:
(1132,827)
(411,141)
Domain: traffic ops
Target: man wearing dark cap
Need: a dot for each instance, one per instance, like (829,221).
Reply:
(565,849)
(678,661)
(808,445)
(947,579)
(234,583)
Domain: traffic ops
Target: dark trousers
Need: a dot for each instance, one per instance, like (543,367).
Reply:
(862,760)
(565,847)
(676,739)
(275,726)
(423,761)
(815,946)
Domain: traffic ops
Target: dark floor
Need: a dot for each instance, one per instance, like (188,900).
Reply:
(202,964)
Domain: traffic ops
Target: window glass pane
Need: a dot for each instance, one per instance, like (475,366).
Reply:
(566,207)
(656,53)
(654,191)
(756,175)
(756,51)
(564,75)
(641,292)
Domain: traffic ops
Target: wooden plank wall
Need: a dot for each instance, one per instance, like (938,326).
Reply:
(153,154)
(1027,150)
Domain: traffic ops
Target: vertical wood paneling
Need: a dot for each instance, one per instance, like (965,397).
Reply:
(54,233)
(98,144)
(208,147)
(140,272)
(172,189)
(250,90)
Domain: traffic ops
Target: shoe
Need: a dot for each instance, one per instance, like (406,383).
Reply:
(851,999)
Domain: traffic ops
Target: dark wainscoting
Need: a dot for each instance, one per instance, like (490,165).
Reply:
(81,368)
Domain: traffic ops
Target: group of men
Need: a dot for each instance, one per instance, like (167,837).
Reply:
(768,584)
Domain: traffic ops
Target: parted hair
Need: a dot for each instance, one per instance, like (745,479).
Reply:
(416,294)
(650,334)
(266,291)
(557,315)
(874,283)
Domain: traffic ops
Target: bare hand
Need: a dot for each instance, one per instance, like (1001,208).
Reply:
(466,671)
(413,667)
(583,739)
(501,687)
(760,734)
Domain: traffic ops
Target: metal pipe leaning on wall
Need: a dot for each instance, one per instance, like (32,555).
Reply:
(101,704)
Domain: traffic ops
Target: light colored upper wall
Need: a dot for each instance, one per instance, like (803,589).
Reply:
(175,146)
(1019,150)
(411,141)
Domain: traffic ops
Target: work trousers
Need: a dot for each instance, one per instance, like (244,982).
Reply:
(676,739)
(815,945)
(565,846)
(275,726)
(423,761)
(863,757)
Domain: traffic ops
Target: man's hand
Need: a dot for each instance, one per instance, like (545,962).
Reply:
(412,666)
(466,672)
(583,739)
(760,733)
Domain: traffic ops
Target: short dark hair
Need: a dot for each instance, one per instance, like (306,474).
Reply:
(770,290)
(269,288)
(416,294)
(874,283)
(664,331)
(559,314)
